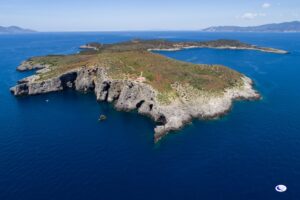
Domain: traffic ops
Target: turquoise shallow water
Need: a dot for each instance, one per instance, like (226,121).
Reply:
(58,150)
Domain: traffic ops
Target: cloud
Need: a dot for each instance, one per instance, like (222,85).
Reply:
(266,5)
(250,15)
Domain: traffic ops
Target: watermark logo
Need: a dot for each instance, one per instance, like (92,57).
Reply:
(280,188)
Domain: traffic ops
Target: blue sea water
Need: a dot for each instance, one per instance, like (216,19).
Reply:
(58,150)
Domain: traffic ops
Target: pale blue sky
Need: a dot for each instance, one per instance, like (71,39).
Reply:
(100,15)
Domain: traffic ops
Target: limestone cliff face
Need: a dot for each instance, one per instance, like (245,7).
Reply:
(30,85)
(128,95)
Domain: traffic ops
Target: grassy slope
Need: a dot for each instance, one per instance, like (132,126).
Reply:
(159,71)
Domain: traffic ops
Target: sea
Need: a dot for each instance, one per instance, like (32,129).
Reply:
(52,146)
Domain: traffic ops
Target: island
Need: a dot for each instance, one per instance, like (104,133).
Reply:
(285,27)
(133,76)
(14,30)
(164,45)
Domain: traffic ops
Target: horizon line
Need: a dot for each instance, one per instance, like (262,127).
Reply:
(143,30)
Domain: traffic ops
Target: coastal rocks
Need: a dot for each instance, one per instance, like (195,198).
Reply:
(178,113)
(28,79)
(25,66)
(102,90)
(85,80)
(31,85)
(115,88)
(129,95)
(67,80)
(133,95)
(32,88)
(20,89)
(173,119)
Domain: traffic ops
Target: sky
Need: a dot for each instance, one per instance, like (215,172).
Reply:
(118,15)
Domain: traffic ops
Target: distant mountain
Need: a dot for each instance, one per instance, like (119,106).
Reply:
(14,30)
(281,27)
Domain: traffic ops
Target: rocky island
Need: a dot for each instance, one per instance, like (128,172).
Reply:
(163,45)
(133,77)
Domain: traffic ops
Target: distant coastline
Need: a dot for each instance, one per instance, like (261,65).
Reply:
(285,27)
(15,30)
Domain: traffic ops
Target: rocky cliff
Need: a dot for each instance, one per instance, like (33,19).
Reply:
(128,95)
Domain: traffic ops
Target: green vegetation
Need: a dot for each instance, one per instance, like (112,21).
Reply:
(161,72)
(59,64)
(143,45)
(134,62)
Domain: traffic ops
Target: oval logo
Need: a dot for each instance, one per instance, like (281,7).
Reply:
(280,188)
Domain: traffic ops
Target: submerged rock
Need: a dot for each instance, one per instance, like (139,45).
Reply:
(102,118)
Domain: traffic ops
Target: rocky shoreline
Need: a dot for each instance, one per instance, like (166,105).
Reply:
(254,48)
(26,66)
(128,95)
